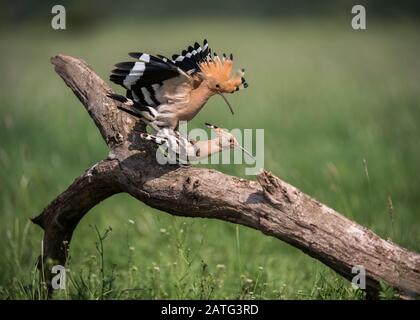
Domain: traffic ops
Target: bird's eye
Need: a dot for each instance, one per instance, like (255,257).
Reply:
(231,141)
(217,86)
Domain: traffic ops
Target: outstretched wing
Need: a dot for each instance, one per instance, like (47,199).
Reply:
(150,80)
(190,58)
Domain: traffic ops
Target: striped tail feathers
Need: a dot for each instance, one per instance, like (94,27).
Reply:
(155,139)
(146,113)
(131,112)
(117,97)
(166,135)
(175,147)
(128,104)
(167,146)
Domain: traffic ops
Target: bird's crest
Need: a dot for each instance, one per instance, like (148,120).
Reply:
(218,71)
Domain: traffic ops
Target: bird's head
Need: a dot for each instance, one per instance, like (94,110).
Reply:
(227,140)
(217,73)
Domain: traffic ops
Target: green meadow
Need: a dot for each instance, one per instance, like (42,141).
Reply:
(341,114)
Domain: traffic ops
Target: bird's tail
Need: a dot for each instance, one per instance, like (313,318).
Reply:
(133,113)
(125,101)
(155,139)
(117,97)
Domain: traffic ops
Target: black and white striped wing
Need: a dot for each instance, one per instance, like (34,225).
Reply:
(190,58)
(145,78)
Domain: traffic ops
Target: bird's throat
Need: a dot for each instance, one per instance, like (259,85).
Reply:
(198,98)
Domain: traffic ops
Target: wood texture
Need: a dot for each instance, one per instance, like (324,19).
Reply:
(269,204)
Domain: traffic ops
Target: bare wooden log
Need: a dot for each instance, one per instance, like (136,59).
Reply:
(269,204)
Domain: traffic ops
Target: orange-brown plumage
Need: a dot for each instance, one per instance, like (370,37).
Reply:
(162,92)
(218,75)
(166,91)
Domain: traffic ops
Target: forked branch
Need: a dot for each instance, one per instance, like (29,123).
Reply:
(269,204)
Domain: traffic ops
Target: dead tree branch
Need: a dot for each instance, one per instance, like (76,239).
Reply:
(270,205)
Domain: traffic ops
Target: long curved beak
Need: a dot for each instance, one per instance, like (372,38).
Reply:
(247,152)
(227,102)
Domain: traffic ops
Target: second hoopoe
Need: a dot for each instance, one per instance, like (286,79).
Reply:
(162,92)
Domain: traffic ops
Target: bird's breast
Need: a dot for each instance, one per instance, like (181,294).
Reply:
(195,103)
(189,111)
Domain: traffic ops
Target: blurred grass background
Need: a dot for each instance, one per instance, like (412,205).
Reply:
(340,109)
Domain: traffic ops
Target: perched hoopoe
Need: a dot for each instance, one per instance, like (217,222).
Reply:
(162,92)
(181,149)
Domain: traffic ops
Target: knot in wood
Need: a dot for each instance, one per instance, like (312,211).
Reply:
(277,192)
(191,187)
(116,139)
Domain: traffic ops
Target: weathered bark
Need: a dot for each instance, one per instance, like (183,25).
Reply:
(269,205)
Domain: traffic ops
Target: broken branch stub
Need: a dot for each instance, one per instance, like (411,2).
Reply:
(270,205)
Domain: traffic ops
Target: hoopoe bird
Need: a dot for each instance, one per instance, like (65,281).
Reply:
(162,91)
(183,150)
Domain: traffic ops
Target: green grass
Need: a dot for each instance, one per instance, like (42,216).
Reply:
(341,115)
